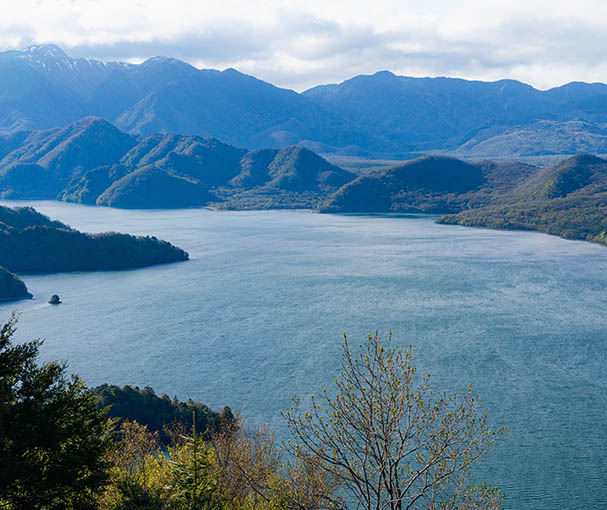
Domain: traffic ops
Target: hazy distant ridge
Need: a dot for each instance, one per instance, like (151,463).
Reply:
(382,114)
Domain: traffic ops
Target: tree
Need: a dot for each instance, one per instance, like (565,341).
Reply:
(138,472)
(131,403)
(194,478)
(52,435)
(254,476)
(393,441)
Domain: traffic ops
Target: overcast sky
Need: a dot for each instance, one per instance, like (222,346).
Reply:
(301,43)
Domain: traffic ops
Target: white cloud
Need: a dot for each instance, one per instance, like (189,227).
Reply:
(298,44)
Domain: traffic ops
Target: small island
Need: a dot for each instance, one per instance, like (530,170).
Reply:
(12,287)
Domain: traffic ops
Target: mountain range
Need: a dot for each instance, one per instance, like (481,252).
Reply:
(41,87)
(91,161)
(164,134)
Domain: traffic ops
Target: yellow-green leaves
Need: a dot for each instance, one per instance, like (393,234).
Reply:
(390,439)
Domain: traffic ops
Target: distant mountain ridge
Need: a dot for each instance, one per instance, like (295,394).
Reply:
(424,114)
(41,87)
(91,161)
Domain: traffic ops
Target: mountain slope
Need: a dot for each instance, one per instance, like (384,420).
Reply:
(153,187)
(292,177)
(91,161)
(417,114)
(41,87)
(237,108)
(541,137)
(422,113)
(568,199)
(580,174)
(431,184)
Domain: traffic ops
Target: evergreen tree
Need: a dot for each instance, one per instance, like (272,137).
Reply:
(52,435)
(193,466)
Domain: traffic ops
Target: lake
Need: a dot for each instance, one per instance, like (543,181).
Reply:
(257,315)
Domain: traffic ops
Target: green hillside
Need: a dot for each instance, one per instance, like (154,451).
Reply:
(93,162)
(568,199)
(430,184)
(11,287)
(32,243)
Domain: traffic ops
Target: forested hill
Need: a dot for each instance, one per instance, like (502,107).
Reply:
(568,199)
(12,287)
(91,161)
(33,243)
(430,184)
(160,413)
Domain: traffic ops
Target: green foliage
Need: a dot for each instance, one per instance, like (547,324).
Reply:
(30,242)
(262,198)
(159,412)
(237,469)
(52,435)
(146,475)
(138,472)
(392,440)
(152,187)
(88,187)
(577,216)
(192,468)
(27,181)
(22,217)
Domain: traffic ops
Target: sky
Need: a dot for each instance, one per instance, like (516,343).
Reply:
(298,44)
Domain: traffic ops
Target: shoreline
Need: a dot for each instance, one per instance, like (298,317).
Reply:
(404,215)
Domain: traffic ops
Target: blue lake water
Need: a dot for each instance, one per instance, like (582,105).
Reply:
(256,318)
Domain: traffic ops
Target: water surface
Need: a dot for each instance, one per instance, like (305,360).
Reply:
(256,317)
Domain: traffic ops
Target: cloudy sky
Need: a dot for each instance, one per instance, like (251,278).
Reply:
(301,43)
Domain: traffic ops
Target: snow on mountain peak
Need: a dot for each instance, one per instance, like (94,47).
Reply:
(45,51)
